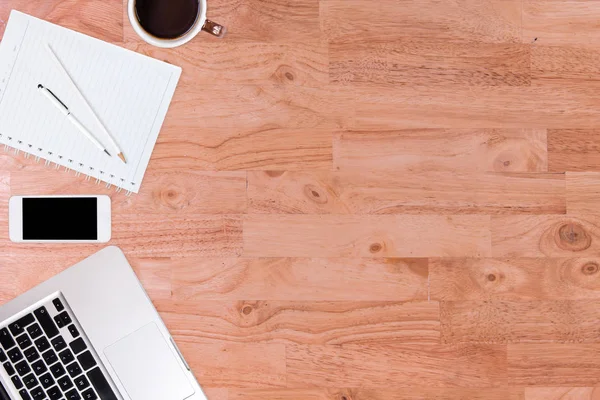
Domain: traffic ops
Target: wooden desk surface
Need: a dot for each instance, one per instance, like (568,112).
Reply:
(363,200)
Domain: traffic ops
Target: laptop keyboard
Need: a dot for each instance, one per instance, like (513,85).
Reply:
(47,358)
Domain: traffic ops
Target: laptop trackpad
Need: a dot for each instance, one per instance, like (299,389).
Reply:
(147,367)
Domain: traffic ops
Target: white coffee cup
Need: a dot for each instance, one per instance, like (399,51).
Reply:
(201,24)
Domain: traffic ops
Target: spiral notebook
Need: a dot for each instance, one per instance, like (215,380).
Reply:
(129,92)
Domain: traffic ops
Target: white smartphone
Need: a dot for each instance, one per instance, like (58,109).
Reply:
(59,219)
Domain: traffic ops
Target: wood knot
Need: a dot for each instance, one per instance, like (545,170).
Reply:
(315,194)
(573,237)
(274,174)
(375,248)
(491,277)
(506,163)
(590,268)
(289,75)
(247,309)
(172,198)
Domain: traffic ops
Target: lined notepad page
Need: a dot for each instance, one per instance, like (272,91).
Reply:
(129,92)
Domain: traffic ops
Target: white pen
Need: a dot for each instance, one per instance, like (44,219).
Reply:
(65,110)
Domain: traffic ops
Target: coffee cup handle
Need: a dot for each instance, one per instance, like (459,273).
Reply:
(214,29)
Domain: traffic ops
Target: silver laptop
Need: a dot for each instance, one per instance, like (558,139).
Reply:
(90,333)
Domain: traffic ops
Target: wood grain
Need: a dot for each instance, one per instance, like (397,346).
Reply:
(328,323)
(560,22)
(555,321)
(387,192)
(583,189)
(365,236)
(545,236)
(244,149)
(411,393)
(573,150)
(496,21)
(473,150)
(487,279)
(562,393)
(300,279)
(430,63)
(553,364)
(564,64)
(356,366)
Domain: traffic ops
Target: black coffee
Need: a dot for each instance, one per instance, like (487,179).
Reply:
(167,19)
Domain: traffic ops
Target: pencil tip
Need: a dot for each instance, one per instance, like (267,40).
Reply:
(106,151)
(122,157)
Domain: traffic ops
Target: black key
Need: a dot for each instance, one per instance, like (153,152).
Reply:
(24,341)
(86,360)
(58,305)
(78,346)
(46,380)
(101,385)
(57,370)
(31,354)
(74,331)
(15,355)
(17,382)
(74,369)
(46,322)
(81,382)
(42,344)
(39,367)
(66,356)
(34,331)
(8,368)
(38,393)
(30,381)
(5,339)
(59,343)
(65,383)
(3,356)
(54,393)
(89,395)
(23,368)
(66,319)
(50,357)
(24,394)
(18,327)
(58,321)
(73,395)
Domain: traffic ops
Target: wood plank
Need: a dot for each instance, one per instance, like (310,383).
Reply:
(545,236)
(560,22)
(247,365)
(554,106)
(299,279)
(574,150)
(244,149)
(163,192)
(430,63)
(216,393)
(257,107)
(366,236)
(304,63)
(387,192)
(553,364)
(100,19)
(166,235)
(562,393)
(564,64)
(247,21)
(498,321)
(496,21)
(583,189)
(514,279)
(480,150)
(396,365)
(411,393)
(334,323)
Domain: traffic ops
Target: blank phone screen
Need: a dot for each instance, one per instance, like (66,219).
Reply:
(68,218)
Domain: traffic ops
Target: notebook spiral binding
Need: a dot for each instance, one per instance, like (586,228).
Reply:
(47,162)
